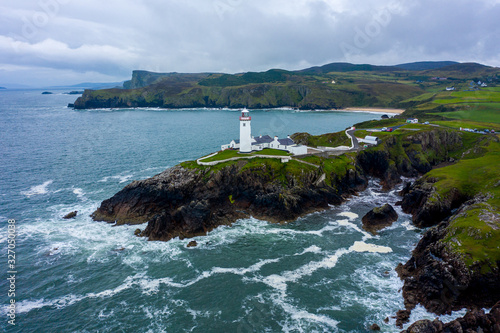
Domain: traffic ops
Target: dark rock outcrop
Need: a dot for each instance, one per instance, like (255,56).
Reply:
(379,218)
(409,156)
(427,207)
(182,202)
(70,215)
(474,321)
(438,278)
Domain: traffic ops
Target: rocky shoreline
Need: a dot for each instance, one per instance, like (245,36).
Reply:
(183,202)
(436,276)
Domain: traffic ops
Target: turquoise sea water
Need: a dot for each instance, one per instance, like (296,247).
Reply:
(85,276)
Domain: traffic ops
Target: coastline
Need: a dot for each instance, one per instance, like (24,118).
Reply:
(378,110)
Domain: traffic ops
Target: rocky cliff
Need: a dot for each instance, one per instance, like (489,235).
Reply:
(187,202)
(270,89)
(456,263)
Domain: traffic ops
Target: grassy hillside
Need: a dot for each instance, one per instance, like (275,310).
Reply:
(418,87)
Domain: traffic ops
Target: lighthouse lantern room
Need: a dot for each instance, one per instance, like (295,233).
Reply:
(245,132)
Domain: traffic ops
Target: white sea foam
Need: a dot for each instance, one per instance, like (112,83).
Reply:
(300,315)
(310,249)
(364,247)
(280,281)
(122,178)
(346,223)
(409,226)
(79,192)
(420,313)
(102,315)
(351,216)
(38,189)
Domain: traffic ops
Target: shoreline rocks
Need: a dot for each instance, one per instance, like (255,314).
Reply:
(70,215)
(184,203)
(439,279)
(379,218)
(474,321)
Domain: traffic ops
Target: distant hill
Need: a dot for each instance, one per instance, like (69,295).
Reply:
(93,85)
(3,88)
(345,67)
(332,86)
(426,65)
(142,79)
(465,71)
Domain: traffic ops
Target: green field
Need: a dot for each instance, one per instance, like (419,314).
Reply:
(486,112)
(229,153)
(475,234)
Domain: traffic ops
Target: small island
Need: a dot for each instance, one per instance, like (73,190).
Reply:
(2,88)
(47,93)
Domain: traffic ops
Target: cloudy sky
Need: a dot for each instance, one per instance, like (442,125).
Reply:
(49,42)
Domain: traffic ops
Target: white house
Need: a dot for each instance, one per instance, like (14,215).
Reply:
(412,121)
(373,140)
(247,143)
(450,88)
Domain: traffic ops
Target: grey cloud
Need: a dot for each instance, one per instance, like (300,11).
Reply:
(109,40)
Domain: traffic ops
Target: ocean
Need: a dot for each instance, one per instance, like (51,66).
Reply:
(321,273)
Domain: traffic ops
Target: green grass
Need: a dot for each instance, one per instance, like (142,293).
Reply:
(272,152)
(335,167)
(324,140)
(380,123)
(274,170)
(470,96)
(484,112)
(456,124)
(226,154)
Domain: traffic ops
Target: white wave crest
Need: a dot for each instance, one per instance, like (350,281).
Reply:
(351,216)
(364,247)
(38,189)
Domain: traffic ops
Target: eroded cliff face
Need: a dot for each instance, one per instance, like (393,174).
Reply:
(456,263)
(438,277)
(426,206)
(409,156)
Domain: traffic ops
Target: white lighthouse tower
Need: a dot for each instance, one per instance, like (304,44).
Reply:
(245,132)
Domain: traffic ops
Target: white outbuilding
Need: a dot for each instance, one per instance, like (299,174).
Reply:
(247,143)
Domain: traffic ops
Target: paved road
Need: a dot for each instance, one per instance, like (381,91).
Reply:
(354,140)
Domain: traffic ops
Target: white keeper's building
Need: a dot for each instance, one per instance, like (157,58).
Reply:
(247,143)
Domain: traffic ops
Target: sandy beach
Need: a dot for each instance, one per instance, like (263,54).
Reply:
(380,110)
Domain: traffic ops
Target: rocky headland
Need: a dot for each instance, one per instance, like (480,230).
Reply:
(189,199)
(455,265)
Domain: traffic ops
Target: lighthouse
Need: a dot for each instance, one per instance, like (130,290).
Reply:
(245,132)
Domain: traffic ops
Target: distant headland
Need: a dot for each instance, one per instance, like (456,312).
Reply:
(333,86)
